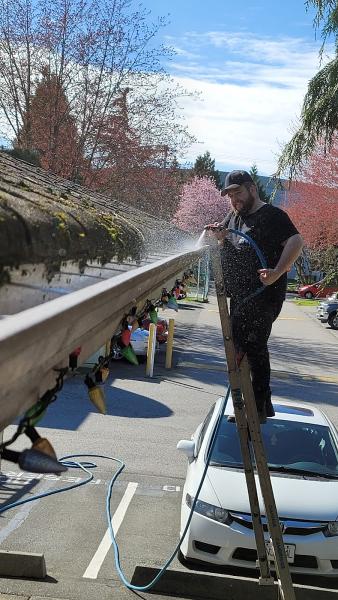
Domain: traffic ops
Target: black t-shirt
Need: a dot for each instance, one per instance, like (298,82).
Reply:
(269,227)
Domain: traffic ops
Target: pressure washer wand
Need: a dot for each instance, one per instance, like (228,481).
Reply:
(215,227)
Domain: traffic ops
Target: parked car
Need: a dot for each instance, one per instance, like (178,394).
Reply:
(333,296)
(138,341)
(302,451)
(315,290)
(327,312)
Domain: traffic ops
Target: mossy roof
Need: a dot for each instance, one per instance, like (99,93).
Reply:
(44,218)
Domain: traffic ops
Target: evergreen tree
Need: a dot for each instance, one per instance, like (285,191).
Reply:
(205,167)
(319,115)
(29,156)
(261,189)
(49,130)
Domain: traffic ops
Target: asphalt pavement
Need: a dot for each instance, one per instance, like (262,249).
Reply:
(145,419)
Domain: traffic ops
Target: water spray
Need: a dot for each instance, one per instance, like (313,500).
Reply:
(201,238)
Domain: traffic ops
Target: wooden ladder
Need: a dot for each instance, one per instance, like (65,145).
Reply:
(253,451)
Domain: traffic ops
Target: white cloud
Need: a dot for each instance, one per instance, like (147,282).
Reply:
(251,94)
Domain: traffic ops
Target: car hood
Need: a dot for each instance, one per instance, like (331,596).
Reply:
(296,497)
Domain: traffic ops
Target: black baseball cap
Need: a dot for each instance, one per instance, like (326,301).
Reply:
(235,179)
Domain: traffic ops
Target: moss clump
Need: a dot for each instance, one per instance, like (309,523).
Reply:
(23,184)
(61,220)
(108,223)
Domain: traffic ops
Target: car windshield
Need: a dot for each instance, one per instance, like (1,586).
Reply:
(291,445)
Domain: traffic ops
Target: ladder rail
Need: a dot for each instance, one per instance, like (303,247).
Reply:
(282,566)
(242,427)
(235,384)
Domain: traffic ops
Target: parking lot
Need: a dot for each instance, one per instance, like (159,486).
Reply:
(145,419)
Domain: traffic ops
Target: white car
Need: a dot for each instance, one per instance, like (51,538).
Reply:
(302,451)
(139,342)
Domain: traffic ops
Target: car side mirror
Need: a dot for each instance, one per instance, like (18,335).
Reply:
(188,448)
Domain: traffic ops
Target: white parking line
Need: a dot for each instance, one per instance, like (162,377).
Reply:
(95,564)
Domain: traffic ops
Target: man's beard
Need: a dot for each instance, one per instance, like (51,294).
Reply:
(247,206)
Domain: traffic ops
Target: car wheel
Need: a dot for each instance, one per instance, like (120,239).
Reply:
(333,320)
(308,295)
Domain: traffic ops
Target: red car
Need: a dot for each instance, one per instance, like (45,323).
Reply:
(316,290)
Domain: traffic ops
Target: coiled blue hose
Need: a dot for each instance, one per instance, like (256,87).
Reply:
(86,466)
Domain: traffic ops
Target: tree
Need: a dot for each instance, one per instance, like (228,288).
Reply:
(95,50)
(50,129)
(261,189)
(205,167)
(313,207)
(200,203)
(319,119)
(140,174)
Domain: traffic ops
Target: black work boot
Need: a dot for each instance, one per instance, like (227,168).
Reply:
(270,411)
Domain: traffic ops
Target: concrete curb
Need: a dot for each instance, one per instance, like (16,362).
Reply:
(12,597)
(22,564)
(220,587)
(20,597)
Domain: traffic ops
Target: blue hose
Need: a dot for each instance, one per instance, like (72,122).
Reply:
(86,466)
(253,244)
(262,260)
(144,588)
(83,466)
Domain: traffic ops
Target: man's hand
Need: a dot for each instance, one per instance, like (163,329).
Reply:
(218,231)
(268,276)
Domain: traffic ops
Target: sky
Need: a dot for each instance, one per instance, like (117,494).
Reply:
(251,62)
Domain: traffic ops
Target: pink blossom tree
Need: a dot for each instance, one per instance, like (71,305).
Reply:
(200,203)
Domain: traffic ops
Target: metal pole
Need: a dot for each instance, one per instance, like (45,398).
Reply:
(151,350)
(206,281)
(198,278)
(170,343)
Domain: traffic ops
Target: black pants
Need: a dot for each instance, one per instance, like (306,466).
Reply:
(251,327)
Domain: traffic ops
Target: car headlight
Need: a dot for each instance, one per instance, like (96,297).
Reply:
(331,530)
(221,515)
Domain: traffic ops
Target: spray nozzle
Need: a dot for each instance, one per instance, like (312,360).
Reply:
(214,227)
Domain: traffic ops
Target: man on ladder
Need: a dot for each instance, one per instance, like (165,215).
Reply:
(280,244)
(263,228)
